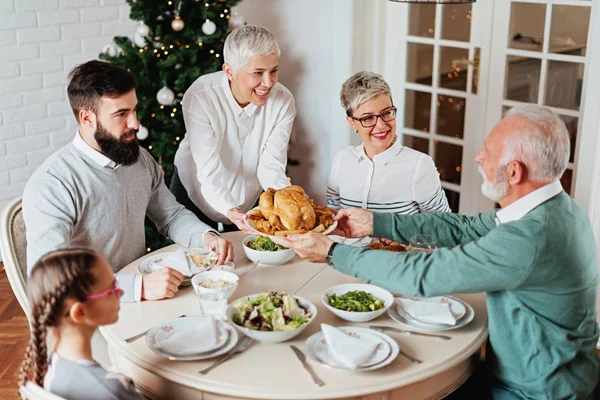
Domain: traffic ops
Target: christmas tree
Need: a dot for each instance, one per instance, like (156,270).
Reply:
(176,42)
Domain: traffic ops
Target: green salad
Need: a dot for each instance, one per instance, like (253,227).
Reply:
(357,300)
(264,243)
(270,311)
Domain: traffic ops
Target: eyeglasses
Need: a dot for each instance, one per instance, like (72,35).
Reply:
(115,290)
(370,121)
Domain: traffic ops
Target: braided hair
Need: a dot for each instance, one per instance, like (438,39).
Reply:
(57,276)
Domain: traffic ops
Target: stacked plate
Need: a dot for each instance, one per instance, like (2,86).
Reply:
(160,339)
(462,312)
(316,349)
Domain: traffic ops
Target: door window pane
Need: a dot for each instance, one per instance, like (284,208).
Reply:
(522,79)
(416,143)
(564,84)
(451,116)
(422,20)
(448,159)
(567,181)
(453,199)
(417,110)
(453,74)
(571,123)
(569,30)
(456,22)
(526,29)
(419,67)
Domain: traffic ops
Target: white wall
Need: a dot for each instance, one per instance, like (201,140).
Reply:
(40,42)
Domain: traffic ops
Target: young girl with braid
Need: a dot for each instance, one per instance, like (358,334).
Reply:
(72,292)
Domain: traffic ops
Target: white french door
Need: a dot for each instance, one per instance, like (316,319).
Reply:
(455,69)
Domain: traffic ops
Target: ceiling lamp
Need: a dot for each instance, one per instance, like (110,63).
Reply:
(434,1)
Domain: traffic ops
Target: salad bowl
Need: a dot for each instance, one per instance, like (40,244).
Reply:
(266,257)
(291,326)
(358,316)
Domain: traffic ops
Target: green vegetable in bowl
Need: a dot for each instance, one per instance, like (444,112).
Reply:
(357,300)
(270,311)
(264,243)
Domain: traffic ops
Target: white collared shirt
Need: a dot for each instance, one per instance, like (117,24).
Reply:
(521,207)
(398,180)
(229,153)
(130,284)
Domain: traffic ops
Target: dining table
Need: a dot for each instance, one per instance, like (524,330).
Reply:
(272,370)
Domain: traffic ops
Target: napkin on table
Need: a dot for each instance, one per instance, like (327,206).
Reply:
(176,260)
(427,311)
(202,337)
(348,350)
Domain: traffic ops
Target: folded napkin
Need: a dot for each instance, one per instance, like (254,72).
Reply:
(427,311)
(176,260)
(202,337)
(348,350)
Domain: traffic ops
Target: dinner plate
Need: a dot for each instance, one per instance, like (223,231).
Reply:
(227,338)
(151,264)
(425,326)
(251,224)
(316,349)
(457,308)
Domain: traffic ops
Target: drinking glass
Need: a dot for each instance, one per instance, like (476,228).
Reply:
(202,258)
(423,242)
(213,304)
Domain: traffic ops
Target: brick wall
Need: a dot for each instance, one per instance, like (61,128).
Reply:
(40,42)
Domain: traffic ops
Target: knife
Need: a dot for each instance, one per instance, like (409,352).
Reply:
(302,357)
(392,329)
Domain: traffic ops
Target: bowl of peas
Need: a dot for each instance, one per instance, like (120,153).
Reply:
(357,302)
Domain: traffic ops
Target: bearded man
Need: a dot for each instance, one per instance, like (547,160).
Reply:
(535,257)
(97,191)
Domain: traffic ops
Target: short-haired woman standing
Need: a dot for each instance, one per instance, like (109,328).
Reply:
(238,124)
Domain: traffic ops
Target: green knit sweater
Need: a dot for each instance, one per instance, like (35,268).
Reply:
(540,274)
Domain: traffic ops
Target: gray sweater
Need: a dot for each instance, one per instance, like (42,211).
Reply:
(70,200)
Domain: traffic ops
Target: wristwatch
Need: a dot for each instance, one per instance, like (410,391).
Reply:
(329,256)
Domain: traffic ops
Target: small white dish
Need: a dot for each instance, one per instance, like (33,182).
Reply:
(430,327)
(251,224)
(270,258)
(355,316)
(272,336)
(201,277)
(162,331)
(316,349)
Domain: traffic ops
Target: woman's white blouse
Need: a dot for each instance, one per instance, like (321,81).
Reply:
(230,154)
(399,180)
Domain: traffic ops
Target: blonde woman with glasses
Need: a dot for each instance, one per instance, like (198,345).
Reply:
(380,174)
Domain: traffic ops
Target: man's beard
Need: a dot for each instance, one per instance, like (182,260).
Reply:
(499,188)
(121,152)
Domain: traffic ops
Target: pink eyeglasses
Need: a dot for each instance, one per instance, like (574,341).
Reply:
(115,290)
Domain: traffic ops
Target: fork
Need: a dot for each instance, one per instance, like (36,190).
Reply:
(139,335)
(243,346)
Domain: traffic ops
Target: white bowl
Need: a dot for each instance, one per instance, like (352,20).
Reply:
(215,276)
(356,316)
(266,257)
(272,336)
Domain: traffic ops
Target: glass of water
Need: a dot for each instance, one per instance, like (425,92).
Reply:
(423,242)
(213,304)
(201,257)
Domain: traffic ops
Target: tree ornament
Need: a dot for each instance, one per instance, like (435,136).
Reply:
(139,40)
(110,50)
(177,24)
(165,96)
(142,30)
(142,133)
(209,27)
(236,21)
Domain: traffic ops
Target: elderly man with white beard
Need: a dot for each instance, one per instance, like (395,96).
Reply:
(535,257)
